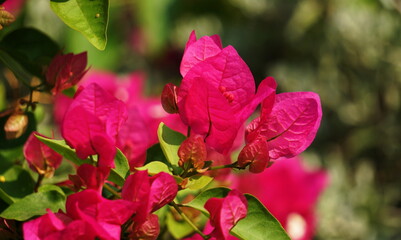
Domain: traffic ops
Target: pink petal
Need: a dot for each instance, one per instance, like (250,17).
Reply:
(226,212)
(43,226)
(39,155)
(93,177)
(208,113)
(226,72)
(137,189)
(291,126)
(198,51)
(162,191)
(110,111)
(293,123)
(116,212)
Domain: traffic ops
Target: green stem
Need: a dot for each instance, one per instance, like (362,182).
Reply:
(178,209)
(232,165)
(111,190)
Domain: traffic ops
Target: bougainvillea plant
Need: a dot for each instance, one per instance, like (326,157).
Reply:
(147,168)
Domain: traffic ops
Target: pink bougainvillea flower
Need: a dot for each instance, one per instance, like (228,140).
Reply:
(88,216)
(151,193)
(290,192)
(92,122)
(226,212)
(290,125)
(90,177)
(40,157)
(139,132)
(217,93)
(65,71)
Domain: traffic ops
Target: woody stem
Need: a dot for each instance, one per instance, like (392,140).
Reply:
(178,209)
(38,182)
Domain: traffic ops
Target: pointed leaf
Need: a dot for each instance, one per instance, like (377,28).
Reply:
(198,182)
(87,17)
(170,141)
(35,204)
(263,224)
(119,173)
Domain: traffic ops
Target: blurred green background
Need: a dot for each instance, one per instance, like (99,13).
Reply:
(348,51)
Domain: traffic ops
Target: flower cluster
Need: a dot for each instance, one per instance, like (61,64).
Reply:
(123,191)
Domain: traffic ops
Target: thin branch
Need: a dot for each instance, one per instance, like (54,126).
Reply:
(178,209)
(111,190)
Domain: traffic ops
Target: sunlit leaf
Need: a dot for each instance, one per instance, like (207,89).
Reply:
(170,141)
(87,17)
(155,167)
(35,204)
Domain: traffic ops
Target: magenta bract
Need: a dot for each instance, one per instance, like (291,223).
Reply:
(226,212)
(90,177)
(217,93)
(40,157)
(151,193)
(88,216)
(65,71)
(92,122)
(290,125)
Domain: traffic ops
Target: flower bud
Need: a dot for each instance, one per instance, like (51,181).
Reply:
(16,125)
(169,98)
(149,230)
(256,155)
(192,153)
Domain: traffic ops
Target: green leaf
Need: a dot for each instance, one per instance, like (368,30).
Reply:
(89,17)
(63,149)
(259,219)
(201,199)
(170,141)
(35,204)
(120,172)
(198,182)
(179,229)
(17,184)
(155,167)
